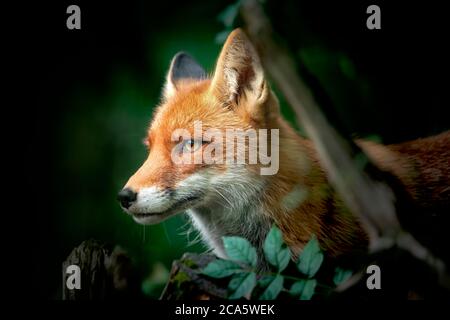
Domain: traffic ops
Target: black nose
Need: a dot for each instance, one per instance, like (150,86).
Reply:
(126,197)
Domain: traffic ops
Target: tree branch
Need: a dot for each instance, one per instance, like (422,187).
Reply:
(372,201)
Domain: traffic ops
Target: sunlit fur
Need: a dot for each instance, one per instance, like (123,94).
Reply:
(236,199)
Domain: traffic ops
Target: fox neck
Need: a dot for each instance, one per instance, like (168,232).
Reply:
(298,200)
(302,203)
(248,222)
(237,211)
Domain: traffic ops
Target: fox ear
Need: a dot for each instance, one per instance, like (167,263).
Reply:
(182,67)
(239,71)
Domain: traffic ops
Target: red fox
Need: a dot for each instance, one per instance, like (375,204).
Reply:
(224,199)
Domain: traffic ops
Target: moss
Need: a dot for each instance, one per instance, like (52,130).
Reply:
(180,278)
(190,263)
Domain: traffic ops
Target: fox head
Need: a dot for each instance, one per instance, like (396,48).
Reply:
(195,113)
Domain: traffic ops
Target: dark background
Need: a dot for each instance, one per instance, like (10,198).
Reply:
(92,92)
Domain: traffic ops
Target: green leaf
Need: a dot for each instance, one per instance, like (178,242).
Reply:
(221,268)
(341,275)
(264,281)
(245,287)
(308,290)
(222,36)
(304,289)
(283,258)
(272,246)
(239,249)
(297,288)
(311,258)
(273,289)
(315,264)
(236,280)
(229,14)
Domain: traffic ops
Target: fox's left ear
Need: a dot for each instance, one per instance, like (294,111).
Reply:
(183,67)
(239,72)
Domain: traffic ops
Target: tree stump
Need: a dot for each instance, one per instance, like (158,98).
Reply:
(106,273)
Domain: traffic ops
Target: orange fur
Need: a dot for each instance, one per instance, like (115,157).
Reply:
(421,165)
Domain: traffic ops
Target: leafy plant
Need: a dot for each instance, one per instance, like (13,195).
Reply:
(242,262)
(311,258)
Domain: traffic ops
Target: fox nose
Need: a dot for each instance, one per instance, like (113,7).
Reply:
(126,197)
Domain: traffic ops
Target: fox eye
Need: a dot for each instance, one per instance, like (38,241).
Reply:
(191,145)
